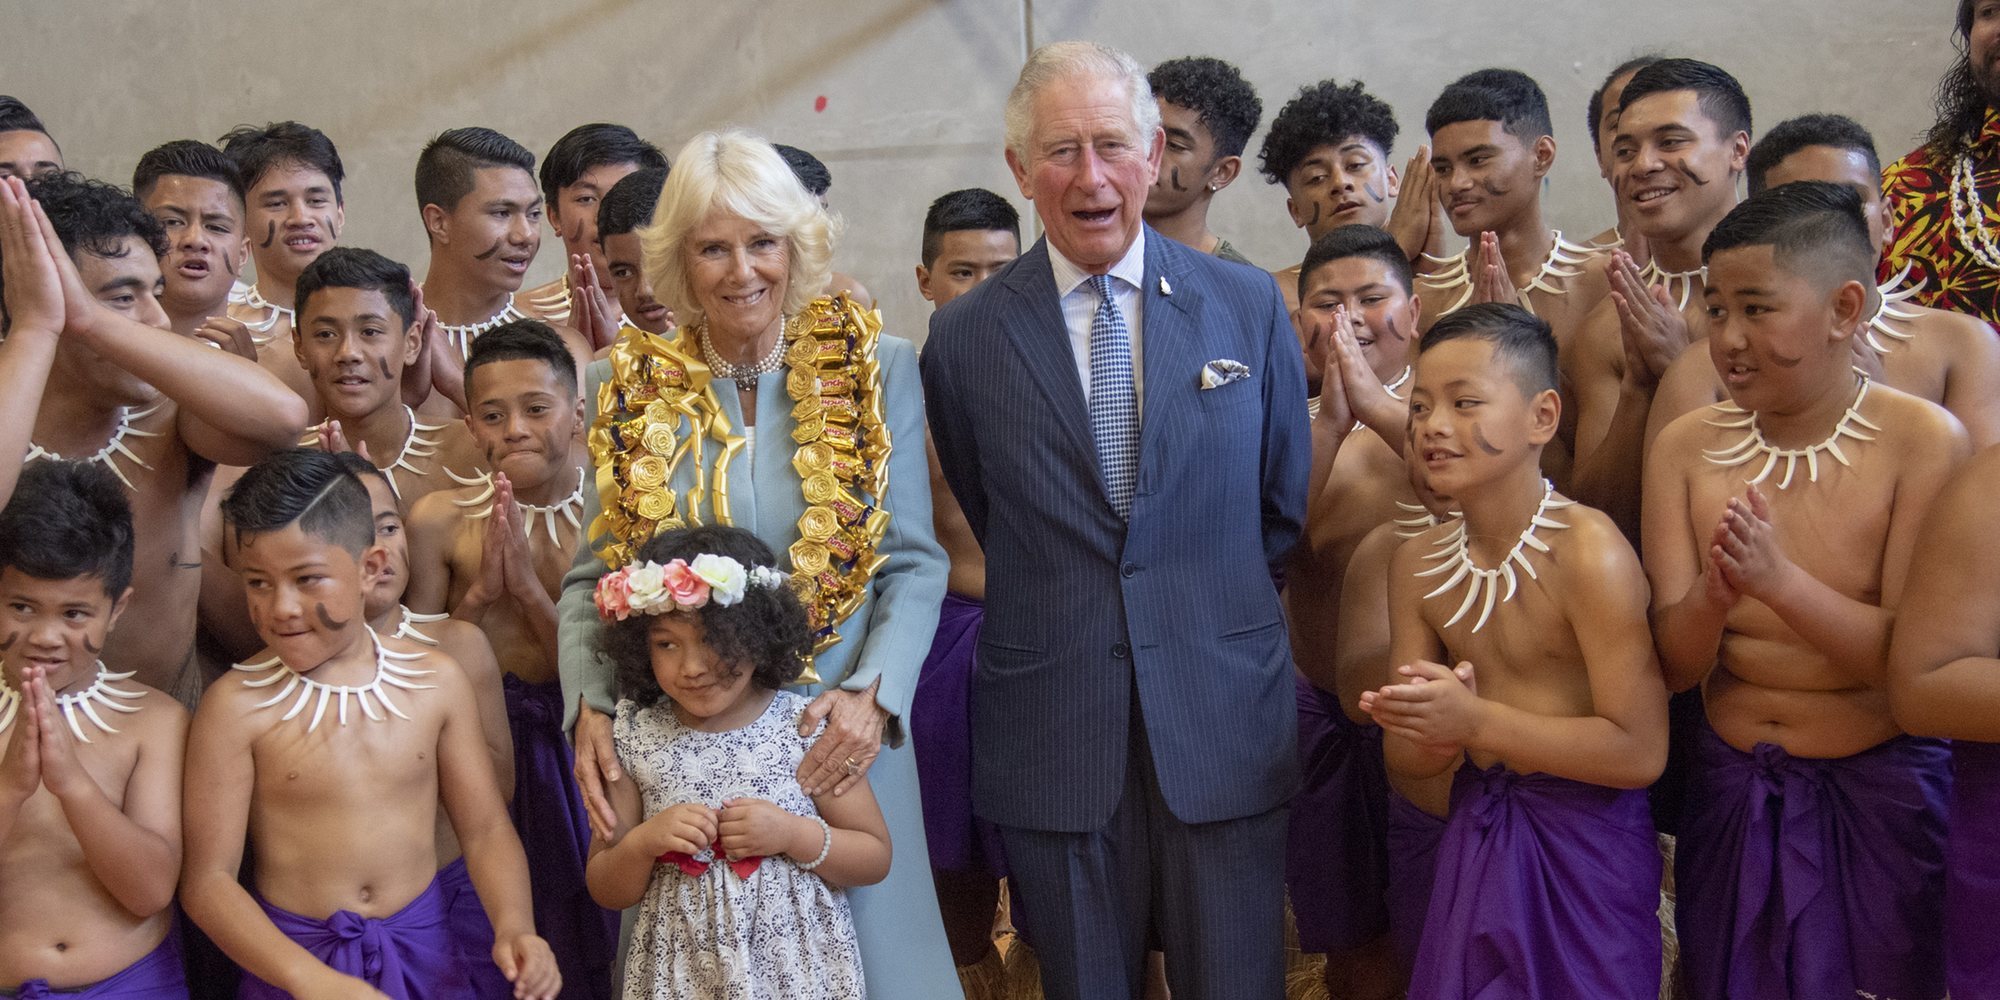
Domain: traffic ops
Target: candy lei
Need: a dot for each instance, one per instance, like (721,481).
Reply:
(659,410)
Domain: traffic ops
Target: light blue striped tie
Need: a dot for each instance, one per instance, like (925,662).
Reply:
(1114,403)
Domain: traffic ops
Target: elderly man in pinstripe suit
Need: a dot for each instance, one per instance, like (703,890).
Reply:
(1122,419)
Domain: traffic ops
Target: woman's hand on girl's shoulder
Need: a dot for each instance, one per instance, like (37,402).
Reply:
(687,828)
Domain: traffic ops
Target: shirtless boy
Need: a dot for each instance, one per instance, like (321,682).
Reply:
(493,553)
(341,743)
(1777,532)
(581,168)
(291,177)
(197,194)
(1554,717)
(483,217)
(627,207)
(1682,136)
(159,410)
(1949,358)
(1492,145)
(90,759)
(471,932)
(1208,111)
(1600,119)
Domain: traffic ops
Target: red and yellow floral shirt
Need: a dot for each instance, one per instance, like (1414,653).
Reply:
(1927,240)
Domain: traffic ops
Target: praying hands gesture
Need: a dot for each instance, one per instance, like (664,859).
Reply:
(1745,554)
(590,313)
(438,367)
(1491,282)
(507,571)
(1417,222)
(1371,401)
(1652,327)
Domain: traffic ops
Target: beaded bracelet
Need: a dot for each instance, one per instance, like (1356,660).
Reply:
(825,846)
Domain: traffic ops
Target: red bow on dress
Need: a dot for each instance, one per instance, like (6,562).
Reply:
(691,865)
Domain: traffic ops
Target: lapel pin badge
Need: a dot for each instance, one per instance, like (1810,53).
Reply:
(1165,289)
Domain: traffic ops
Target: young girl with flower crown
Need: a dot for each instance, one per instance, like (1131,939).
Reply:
(735,869)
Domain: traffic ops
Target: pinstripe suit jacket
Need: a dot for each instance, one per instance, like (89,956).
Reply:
(1079,603)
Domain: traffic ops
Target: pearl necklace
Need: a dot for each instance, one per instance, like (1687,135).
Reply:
(770,362)
(1753,443)
(1455,554)
(107,455)
(387,675)
(1971,224)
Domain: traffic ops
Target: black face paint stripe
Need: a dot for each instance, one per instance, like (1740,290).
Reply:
(490,251)
(1174,178)
(1479,438)
(8,643)
(327,619)
(91,648)
(270,235)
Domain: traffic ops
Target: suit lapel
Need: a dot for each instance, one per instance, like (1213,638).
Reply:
(1041,336)
(1172,347)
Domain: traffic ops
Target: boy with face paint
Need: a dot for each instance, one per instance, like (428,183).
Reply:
(26,148)
(1492,145)
(1208,111)
(378,730)
(472,932)
(1777,532)
(1361,315)
(90,759)
(1682,137)
(580,170)
(291,176)
(159,410)
(626,208)
(197,194)
(969,235)
(483,216)
(493,553)
(1951,359)
(357,333)
(1554,720)
(1600,119)
(1329,146)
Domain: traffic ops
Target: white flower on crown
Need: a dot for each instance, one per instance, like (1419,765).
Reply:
(725,577)
(648,585)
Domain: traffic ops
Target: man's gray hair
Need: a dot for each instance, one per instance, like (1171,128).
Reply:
(1064,60)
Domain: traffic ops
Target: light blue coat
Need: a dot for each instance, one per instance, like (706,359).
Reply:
(903,949)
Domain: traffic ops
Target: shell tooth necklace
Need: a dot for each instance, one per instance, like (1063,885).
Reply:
(1851,425)
(1893,308)
(406,628)
(107,456)
(1416,520)
(1653,274)
(100,694)
(1564,262)
(570,507)
(255,299)
(387,675)
(1454,554)
(462,335)
(415,445)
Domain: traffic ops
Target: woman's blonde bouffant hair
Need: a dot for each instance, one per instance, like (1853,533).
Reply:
(738,173)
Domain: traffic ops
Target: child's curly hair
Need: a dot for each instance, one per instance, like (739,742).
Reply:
(767,630)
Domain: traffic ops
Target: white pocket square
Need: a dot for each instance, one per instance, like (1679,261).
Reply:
(1223,371)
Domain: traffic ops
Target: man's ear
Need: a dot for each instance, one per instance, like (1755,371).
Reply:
(1395,181)
(374,563)
(1853,306)
(118,609)
(1021,178)
(437,224)
(1224,172)
(1545,415)
(1544,152)
(924,283)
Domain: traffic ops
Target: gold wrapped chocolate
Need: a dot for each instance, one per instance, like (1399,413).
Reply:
(808,557)
(659,439)
(648,473)
(818,524)
(654,505)
(821,488)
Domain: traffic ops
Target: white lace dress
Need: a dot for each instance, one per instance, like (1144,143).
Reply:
(781,933)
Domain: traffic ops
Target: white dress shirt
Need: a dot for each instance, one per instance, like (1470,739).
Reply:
(1079,308)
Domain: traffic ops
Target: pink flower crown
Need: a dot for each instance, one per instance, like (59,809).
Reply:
(649,588)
